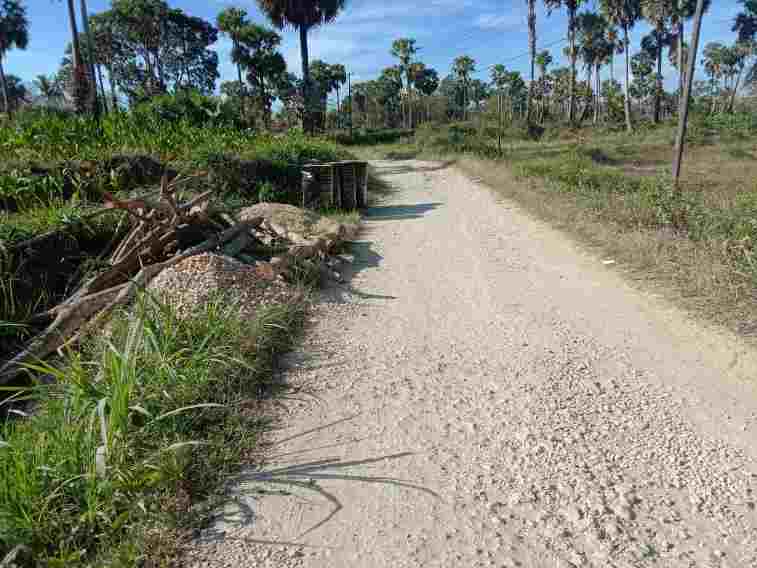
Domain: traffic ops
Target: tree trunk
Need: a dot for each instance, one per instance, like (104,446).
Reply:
(4,88)
(683,119)
(242,94)
(532,51)
(597,96)
(681,70)
(306,123)
(102,87)
(590,98)
(627,105)
(94,99)
(572,87)
(409,100)
(735,90)
(658,89)
(76,57)
(113,95)
(338,105)
(612,67)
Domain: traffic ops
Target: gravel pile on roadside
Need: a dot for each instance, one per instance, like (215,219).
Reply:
(200,279)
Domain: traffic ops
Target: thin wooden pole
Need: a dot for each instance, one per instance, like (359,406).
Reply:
(349,88)
(683,119)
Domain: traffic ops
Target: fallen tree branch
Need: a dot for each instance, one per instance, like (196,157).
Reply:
(73,317)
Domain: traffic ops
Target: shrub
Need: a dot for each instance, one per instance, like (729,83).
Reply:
(192,107)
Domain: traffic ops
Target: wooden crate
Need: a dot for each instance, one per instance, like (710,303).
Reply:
(339,185)
(320,186)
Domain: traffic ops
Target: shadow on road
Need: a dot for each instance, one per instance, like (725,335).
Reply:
(298,480)
(400,168)
(400,212)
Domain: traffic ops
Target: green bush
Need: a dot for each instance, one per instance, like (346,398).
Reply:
(192,107)
(372,137)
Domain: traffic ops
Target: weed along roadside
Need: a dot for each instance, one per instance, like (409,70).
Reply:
(147,291)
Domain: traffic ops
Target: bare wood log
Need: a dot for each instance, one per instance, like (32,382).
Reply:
(195,201)
(67,321)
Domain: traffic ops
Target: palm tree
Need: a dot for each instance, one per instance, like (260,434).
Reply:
(14,34)
(532,52)
(404,49)
(572,6)
(543,61)
(232,21)
(95,103)
(79,77)
(593,51)
(302,15)
(48,87)
(463,67)
(684,10)
(658,13)
(746,22)
(624,13)
(714,56)
(338,79)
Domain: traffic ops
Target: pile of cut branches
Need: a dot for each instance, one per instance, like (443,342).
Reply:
(162,232)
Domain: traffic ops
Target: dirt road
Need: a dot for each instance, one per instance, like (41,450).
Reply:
(483,393)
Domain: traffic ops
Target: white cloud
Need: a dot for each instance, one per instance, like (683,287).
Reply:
(513,20)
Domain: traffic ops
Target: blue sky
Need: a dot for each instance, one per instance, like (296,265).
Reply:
(490,31)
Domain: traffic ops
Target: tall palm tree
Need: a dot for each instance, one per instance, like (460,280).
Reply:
(572,7)
(746,21)
(463,67)
(94,102)
(338,79)
(302,15)
(592,46)
(543,61)
(658,13)
(49,87)
(405,50)
(79,77)
(14,34)
(684,10)
(232,21)
(532,52)
(625,14)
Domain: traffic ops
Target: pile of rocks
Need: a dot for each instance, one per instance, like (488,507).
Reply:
(201,279)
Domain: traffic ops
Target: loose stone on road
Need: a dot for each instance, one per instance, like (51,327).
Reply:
(482,392)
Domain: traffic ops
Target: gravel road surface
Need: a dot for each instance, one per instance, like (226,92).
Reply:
(482,392)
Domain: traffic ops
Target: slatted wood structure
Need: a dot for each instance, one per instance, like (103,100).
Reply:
(337,185)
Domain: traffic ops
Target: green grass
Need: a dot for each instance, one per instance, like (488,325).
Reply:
(139,429)
(54,156)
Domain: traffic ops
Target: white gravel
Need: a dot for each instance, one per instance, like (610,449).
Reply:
(484,393)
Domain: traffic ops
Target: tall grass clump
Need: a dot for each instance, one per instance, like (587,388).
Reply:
(138,427)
